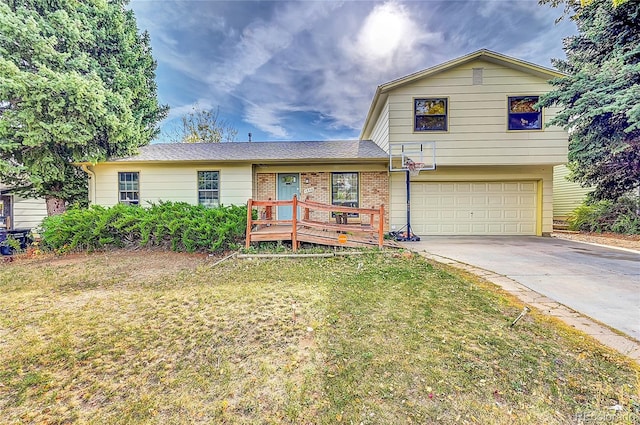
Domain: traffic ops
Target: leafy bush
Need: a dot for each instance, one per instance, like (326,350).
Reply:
(621,216)
(175,225)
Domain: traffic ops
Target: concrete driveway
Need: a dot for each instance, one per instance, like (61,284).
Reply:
(599,282)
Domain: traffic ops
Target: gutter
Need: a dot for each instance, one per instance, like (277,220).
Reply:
(92,182)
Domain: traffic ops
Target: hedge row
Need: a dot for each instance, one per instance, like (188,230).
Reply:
(621,216)
(173,225)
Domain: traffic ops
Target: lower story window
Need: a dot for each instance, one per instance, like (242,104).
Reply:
(344,189)
(129,188)
(208,188)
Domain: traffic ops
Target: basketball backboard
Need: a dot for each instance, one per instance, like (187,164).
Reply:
(408,156)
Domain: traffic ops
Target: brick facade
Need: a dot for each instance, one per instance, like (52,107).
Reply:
(266,186)
(374,190)
(316,186)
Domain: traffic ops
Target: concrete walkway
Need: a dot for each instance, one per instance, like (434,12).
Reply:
(541,299)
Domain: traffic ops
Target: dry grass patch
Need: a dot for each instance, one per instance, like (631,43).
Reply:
(148,337)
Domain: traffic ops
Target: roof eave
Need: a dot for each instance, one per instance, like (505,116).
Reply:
(246,161)
(485,54)
(374,110)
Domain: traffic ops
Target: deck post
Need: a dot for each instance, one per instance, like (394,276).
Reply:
(372,217)
(268,212)
(305,216)
(381,227)
(249,218)
(294,224)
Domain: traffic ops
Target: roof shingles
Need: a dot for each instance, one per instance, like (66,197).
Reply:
(259,151)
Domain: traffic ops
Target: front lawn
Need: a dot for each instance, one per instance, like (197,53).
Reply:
(144,337)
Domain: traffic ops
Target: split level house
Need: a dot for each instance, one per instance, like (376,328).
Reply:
(481,157)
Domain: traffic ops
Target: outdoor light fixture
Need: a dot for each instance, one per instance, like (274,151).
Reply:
(306,180)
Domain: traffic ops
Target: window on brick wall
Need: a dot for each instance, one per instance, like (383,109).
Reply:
(344,190)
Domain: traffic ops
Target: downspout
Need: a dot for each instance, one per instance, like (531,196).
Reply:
(92,183)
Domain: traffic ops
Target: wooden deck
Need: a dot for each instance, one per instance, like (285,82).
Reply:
(302,229)
(321,237)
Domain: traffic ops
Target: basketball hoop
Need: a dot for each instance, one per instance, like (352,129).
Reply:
(414,167)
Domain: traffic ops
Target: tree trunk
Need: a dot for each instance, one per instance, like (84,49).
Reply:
(55,206)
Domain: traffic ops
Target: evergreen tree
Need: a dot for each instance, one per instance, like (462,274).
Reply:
(600,96)
(77,83)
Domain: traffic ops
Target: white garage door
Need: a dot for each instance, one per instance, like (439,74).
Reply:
(473,208)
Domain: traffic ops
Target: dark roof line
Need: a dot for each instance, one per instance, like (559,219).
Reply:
(334,150)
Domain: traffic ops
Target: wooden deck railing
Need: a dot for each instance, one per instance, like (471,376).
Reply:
(374,227)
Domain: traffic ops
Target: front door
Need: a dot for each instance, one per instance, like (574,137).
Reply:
(288,185)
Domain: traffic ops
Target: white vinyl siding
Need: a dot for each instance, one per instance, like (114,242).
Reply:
(173,182)
(380,134)
(474,208)
(28,213)
(477,128)
(567,195)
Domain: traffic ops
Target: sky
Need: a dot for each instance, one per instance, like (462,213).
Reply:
(308,70)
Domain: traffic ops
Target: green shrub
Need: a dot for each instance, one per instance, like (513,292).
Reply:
(173,225)
(619,216)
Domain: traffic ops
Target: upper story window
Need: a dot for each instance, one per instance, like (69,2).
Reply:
(129,188)
(522,113)
(208,188)
(430,114)
(344,189)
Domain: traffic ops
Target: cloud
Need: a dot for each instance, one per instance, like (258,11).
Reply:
(330,68)
(203,104)
(262,40)
(266,117)
(290,69)
(389,34)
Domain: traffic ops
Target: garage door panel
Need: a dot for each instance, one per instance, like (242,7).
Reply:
(448,201)
(463,201)
(527,215)
(474,208)
(510,228)
(462,228)
(511,215)
(510,200)
(528,187)
(479,228)
(511,187)
(479,200)
(494,200)
(446,228)
(528,229)
(526,201)
(479,188)
(495,228)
